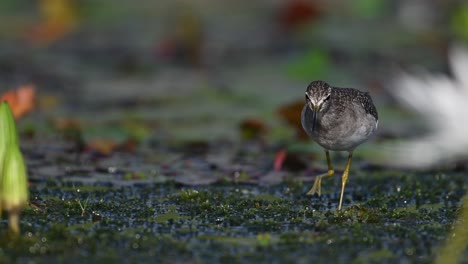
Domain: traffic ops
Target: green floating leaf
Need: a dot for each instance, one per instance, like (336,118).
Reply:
(312,65)
(369,8)
(264,239)
(459,23)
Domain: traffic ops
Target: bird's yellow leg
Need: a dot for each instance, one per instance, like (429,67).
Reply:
(317,187)
(344,179)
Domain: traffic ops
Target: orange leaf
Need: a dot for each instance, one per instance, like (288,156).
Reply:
(21,100)
(102,145)
(107,146)
(58,17)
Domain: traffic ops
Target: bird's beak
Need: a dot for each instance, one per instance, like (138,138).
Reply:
(314,117)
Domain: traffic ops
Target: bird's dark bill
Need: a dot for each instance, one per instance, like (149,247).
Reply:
(314,119)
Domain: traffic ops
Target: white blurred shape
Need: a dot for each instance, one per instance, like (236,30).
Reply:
(443,103)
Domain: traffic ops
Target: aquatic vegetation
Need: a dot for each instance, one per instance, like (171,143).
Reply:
(241,223)
(14,193)
(457,242)
(13,176)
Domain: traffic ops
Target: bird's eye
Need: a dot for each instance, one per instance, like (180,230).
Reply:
(327,98)
(307,97)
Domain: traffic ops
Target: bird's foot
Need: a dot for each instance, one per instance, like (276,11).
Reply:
(316,188)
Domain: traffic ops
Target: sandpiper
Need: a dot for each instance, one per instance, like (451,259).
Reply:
(338,119)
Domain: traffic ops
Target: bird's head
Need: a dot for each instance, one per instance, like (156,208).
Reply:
(317,98)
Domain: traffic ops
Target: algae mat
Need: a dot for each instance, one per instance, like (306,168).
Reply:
(389,217)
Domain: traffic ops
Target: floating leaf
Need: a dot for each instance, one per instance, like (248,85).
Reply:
(459,22)
(314,64)
(291,113)
(369,8)
(296,13)
(135,176)
(252,129)
(264,239)
(21,100)
(58,17)
(104,146)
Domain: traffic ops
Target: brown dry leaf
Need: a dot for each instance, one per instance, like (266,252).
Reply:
(106,146)
(128,145)
(291,113)
(62,124)
(21,100)
(252,129)
(296,13)
(103,146)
